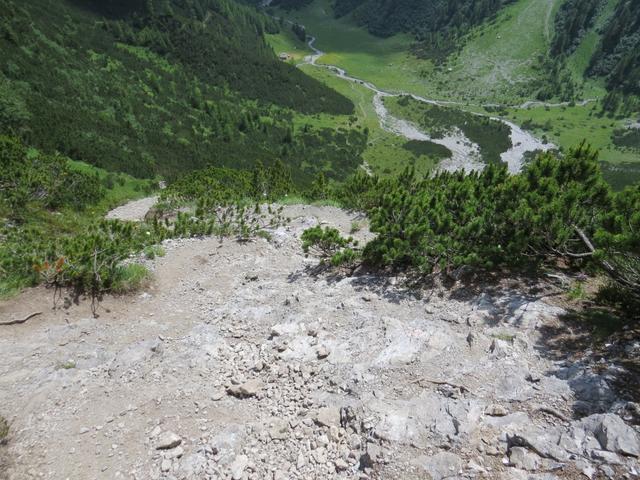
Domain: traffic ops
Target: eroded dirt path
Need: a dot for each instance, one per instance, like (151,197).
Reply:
(246,365)
(133,211)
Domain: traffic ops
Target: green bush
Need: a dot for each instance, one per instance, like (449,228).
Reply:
(558,207)
(329,245)
(129,278)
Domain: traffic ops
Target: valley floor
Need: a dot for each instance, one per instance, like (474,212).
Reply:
(241,361)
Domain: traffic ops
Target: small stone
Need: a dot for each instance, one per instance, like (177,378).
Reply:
(606,457)
(301,461)
(496,411)
(238,466)
(533,377)
(168,440)
(84,430)
(320,455)
(471,339)
(341,465)
(327,417)
(246,390)
(175,453)
(322,352)
(166,465)
(259,366)
(522,458)
(279,430)
(608,471)
(313,329)
(217,395)
(155,432)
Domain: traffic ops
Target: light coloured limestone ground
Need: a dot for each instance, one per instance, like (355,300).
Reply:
(348,377)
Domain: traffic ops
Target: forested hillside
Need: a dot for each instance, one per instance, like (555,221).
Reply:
(615,56)
(618,55)
(388,17)
(161,87)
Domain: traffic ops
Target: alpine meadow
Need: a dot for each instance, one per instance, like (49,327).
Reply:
(320,239)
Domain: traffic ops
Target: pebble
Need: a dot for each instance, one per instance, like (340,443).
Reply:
(168,440)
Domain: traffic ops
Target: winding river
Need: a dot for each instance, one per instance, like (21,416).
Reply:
(465,155)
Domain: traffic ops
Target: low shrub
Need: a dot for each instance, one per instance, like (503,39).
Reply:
(330,246)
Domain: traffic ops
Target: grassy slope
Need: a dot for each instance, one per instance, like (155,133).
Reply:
(490,68)
(385,153)
(384,62)
(497,59)
(579,60)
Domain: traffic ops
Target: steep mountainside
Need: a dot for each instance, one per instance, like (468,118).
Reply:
(160,87)
(618,55)
(387,17)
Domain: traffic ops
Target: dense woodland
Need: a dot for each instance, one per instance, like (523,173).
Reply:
(136,87)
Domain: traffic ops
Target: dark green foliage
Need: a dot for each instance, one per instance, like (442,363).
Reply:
(388,17)
(557,81)
(224,185)
(28,177)
(627,138)
(428,149)
(160,93)
(557,208)
(572,21)
(488,219)
(329,245)
(618,56)
(618,241)
(299,31)
(290,4)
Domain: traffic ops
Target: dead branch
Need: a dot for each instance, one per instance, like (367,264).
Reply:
(462,388)
(23,320)
(554,413)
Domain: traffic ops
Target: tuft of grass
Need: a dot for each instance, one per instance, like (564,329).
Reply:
(67,365)
(4,430)
(355,227)
(577,292)
(130,278)
(264,234)
(507,337)
(154,251)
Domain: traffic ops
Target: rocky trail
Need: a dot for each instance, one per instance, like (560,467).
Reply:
(242,361)
(132,211)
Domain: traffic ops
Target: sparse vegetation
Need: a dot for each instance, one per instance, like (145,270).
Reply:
(4,430)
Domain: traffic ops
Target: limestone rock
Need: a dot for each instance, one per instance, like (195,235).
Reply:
(238,466)
(613,434)
(168,440)
(522,458)
(245,390)
(496,411)
(327,417)
(442,465)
